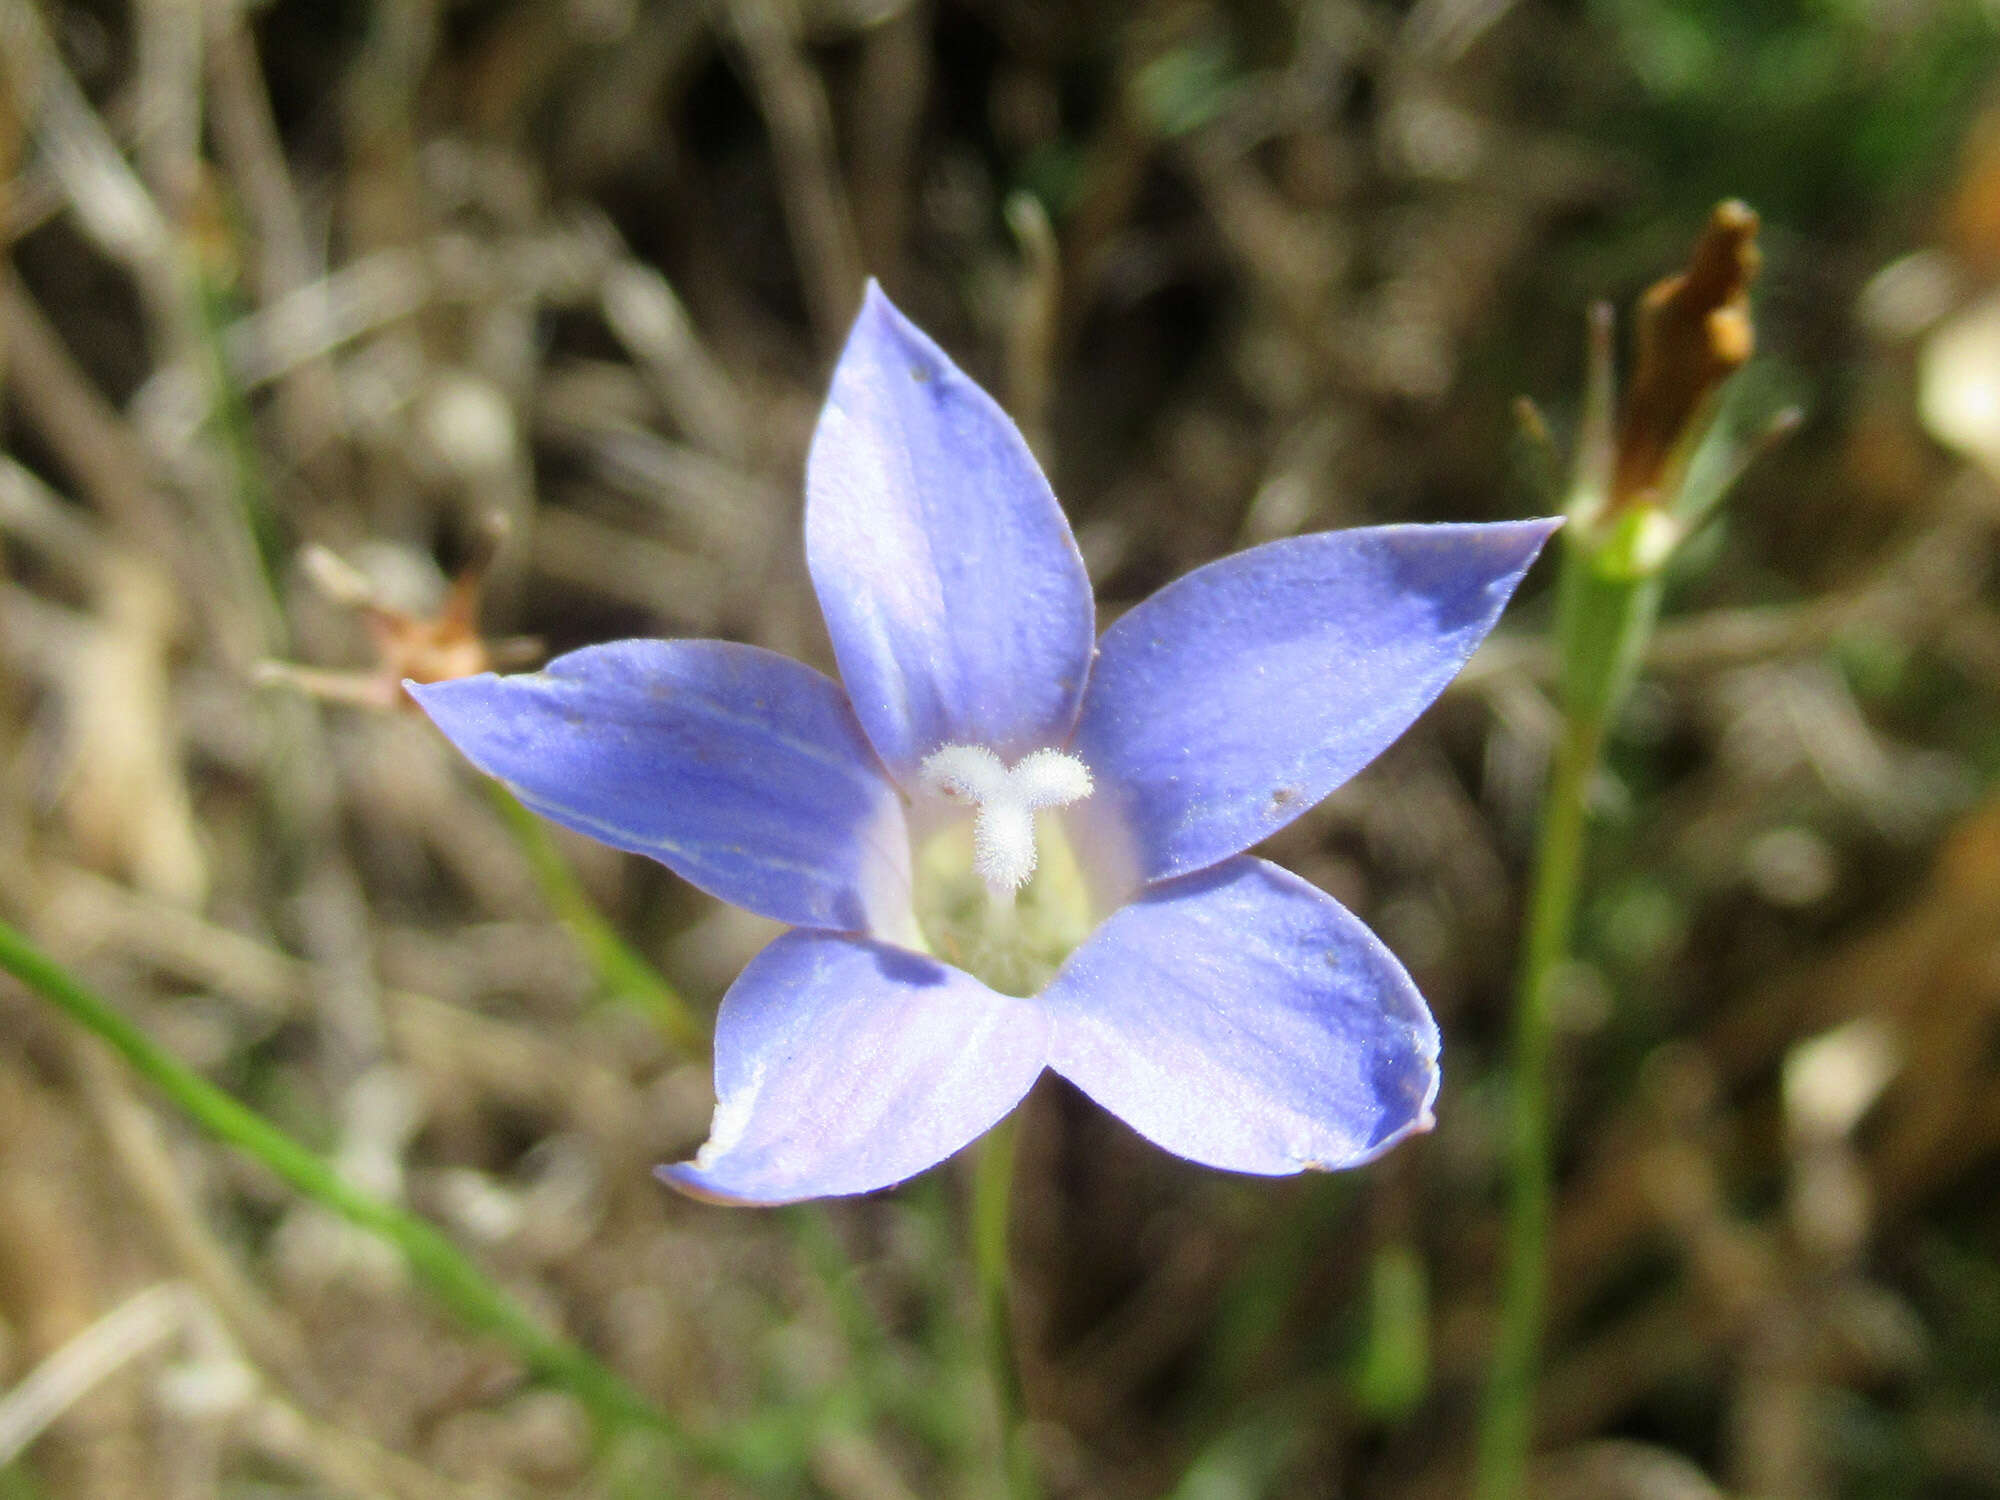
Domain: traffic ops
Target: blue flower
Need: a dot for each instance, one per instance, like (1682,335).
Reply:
(1005,845)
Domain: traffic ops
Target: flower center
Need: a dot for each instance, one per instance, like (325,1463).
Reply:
(1002,898)
(1003,830)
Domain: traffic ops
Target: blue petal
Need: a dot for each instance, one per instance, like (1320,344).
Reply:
(842,1066)
(1243,1019)
(738,769)
(1240,695)
(953,591)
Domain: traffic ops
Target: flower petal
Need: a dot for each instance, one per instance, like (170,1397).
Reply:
(953,591)
(737,768)
(842,1066)
(1244,1019)
(1240,695)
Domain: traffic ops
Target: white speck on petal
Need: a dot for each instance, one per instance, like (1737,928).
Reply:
(732,1118)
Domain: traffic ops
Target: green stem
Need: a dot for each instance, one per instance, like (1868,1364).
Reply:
(434,1260)
(992,1190)
(619,969)
(1606,609)
(1509,1416)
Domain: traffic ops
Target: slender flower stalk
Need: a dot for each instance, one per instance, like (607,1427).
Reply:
(432,1258)
(992,1197)
(1641,482)
(1506,1434)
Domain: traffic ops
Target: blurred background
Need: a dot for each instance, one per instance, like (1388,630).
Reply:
(519,312)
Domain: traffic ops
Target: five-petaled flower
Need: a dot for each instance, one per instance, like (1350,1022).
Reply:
(1004,845)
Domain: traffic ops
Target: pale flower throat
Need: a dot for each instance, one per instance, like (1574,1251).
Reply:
(1003,899)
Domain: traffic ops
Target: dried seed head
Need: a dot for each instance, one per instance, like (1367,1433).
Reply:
(1694,332)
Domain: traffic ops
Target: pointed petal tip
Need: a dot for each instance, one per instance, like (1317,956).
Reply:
(449,705)
(691,1181)
(879,320)
(1543,527)
(445,702)
(688,1180)
(1528,535)
(1514,547)
(1422,1120)
(422,691)
(1520,541)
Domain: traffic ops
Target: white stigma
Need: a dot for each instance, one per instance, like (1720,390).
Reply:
(1003,829)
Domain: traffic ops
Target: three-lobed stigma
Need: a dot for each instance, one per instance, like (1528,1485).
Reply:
(1001,894)
(1007,799)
